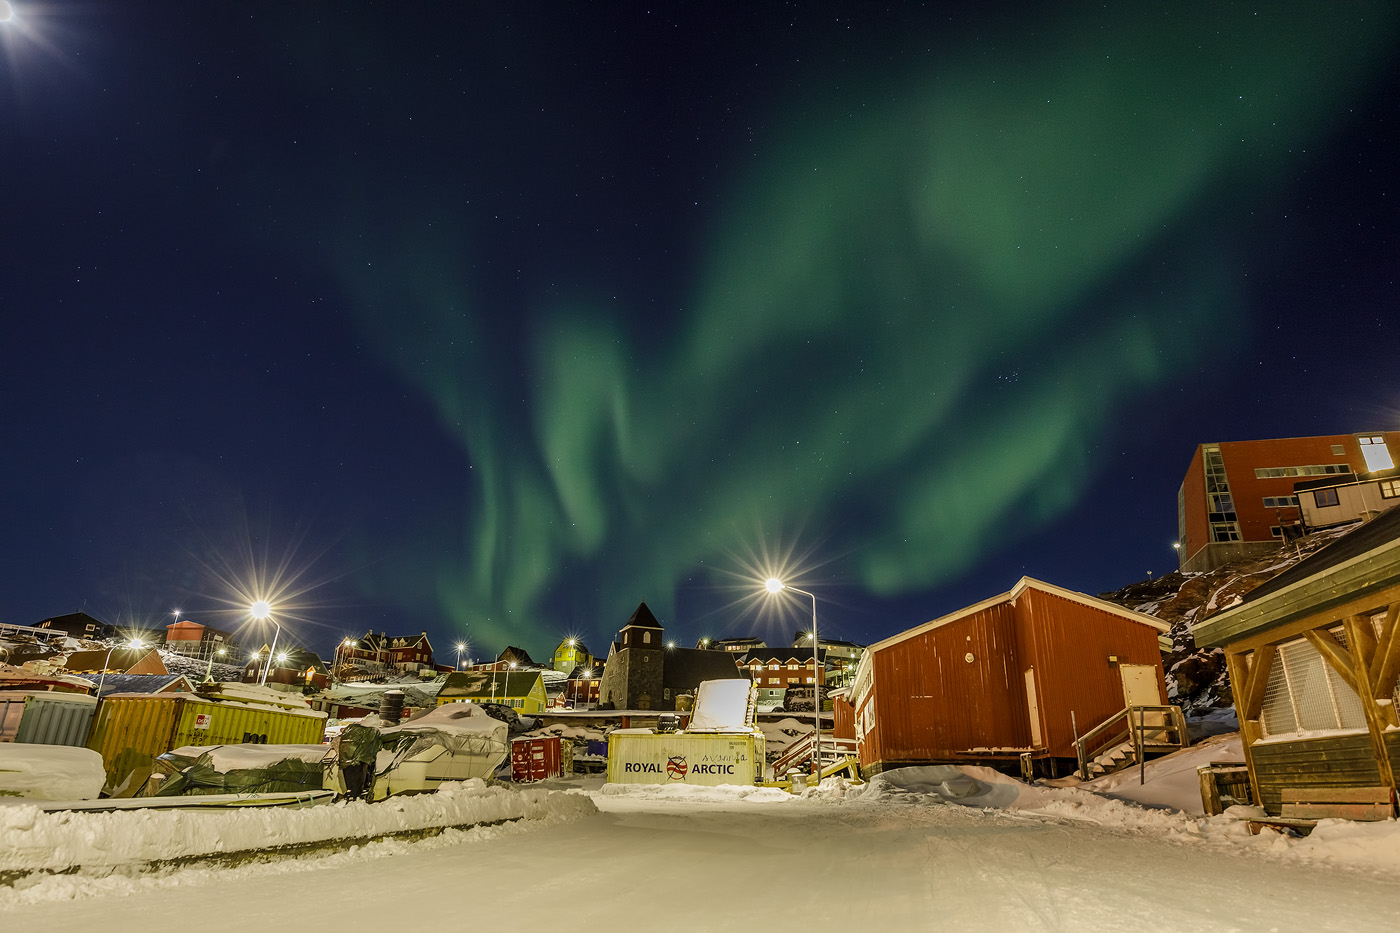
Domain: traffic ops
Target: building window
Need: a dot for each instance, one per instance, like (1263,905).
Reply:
(1325,498)
(1390,489)
(1338,450)
(1316,469)
(1304,693)
(646,637)
(1280,502)
(1224,531)
(1375,453)
(1276,531)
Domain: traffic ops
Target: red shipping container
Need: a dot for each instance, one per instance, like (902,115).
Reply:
(535,759)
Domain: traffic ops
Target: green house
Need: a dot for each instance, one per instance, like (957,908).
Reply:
(520,690)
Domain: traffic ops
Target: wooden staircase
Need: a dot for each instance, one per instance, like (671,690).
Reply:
(1132,735)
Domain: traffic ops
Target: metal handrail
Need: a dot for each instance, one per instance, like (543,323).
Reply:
(1137,733)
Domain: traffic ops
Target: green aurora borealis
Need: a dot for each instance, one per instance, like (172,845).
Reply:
(910,320)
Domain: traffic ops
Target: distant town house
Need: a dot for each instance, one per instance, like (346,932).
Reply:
(202,642)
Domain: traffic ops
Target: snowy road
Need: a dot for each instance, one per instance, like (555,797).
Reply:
(715,862)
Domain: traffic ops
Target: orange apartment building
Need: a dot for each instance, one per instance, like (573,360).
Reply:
(1238,498)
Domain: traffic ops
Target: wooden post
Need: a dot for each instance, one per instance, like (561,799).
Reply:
(1210,791)
(1239,682)
(1376,720)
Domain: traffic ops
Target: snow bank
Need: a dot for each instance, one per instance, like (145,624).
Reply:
(697,792)
(1172,780)
(50,772)
(1373,846)
(31,839)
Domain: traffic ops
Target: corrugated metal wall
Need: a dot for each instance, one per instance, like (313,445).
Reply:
(56,720)
(932,702)
(151,725)
(962,686)
(1069,644)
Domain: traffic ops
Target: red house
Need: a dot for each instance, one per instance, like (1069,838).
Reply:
(1015,675)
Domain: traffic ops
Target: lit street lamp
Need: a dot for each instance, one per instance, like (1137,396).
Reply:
(774,585)
(134,643)
(261,611)
(209,671)
(461,646)
(587,691)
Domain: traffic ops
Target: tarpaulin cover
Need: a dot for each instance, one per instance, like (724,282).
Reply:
(203,774)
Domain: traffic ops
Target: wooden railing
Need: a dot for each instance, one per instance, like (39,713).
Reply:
(1144,727)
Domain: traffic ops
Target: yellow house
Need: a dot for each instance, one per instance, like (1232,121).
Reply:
(522,691)
(571,654)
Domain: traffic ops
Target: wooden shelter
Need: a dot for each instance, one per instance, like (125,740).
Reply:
(1314,656)
(1013,679)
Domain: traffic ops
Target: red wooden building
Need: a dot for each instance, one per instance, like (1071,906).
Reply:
(989,683)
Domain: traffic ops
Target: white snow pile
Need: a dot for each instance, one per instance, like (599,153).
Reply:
(224,758)
(49,772)
(697,792)
(33,840)
(1343,842)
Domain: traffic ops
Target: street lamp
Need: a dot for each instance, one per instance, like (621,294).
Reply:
(774,585)
(261,611)
(461,646)
(587,692)
(209,671)
(134,643)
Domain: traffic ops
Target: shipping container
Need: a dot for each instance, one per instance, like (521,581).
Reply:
(131,730)
(540,758)
(641,756)
(45,717)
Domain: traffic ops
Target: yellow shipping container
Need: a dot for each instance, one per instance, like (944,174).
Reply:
(131,731)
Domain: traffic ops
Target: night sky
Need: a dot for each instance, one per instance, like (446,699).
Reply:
(495,319)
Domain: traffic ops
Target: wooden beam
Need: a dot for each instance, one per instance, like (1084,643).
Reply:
(1378,717)
(1385,665)
(1249,728)
(1334,654)
(1251,693)
(1361,635)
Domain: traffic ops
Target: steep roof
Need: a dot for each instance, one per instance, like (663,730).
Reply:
(643,618)
(1363,561)
(1025,583)
(800,655)
(687,668)
(479,684)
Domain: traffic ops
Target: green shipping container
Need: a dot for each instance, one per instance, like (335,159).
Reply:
(130,731)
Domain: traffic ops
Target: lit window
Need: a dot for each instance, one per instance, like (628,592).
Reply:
(1376,454)
(646,637)
(1390,489)
(1325,498)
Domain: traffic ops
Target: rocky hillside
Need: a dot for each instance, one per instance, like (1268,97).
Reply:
(1196,679)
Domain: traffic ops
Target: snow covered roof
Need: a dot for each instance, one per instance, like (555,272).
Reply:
(1025,583)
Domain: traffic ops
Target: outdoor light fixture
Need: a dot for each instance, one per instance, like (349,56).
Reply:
(262,611)
(134,643)
(461,646)
(209,671)
(774,585)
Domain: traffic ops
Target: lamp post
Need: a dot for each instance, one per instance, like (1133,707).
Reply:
(774,585)
(261,611)
(134,643)
(461,646)
(209,671)
(587,693)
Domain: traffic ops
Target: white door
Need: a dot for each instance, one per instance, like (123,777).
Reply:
(1033,708)
(1140,685)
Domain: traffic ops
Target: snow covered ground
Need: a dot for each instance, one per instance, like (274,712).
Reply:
(919,849)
